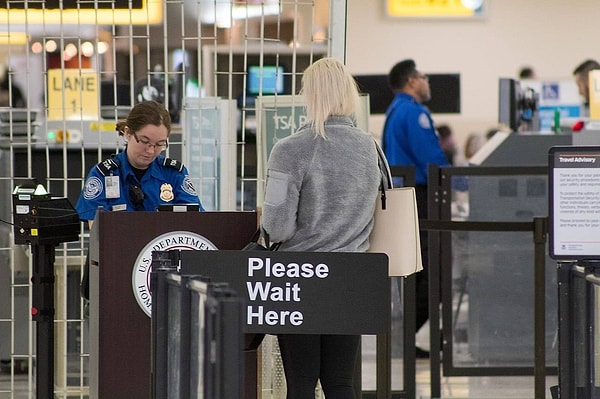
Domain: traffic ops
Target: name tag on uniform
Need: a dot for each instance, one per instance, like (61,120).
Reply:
(120,207)
(112,187)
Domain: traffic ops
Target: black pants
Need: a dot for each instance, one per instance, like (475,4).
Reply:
(329,358)
(422,278)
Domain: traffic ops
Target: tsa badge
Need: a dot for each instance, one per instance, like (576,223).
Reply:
(166,192)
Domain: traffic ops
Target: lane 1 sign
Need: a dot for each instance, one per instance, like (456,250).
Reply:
(72,94)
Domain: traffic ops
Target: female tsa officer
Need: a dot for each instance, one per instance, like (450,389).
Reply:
(139,178)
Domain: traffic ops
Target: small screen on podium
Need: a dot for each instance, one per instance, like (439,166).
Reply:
(178,208)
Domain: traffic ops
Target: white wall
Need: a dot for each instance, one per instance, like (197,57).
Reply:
(553,36)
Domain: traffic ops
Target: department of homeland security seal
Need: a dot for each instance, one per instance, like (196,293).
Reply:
(140,277)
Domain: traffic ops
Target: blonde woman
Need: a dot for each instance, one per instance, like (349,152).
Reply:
(322,183)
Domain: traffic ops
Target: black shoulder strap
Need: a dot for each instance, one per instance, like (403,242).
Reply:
(173,163)
(384,169)
(107,166)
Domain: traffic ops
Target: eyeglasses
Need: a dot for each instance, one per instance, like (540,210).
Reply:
(160,146)
(421,76)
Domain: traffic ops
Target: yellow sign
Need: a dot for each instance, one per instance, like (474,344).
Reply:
(434,8)
(118,12)
(16,38)
(72,94)
(103,127)
(594,81)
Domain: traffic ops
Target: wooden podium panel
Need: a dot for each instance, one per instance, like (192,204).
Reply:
(120,329)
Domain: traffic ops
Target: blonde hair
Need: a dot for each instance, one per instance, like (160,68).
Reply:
(328,89)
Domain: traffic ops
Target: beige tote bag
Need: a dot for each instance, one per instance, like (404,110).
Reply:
(396,228)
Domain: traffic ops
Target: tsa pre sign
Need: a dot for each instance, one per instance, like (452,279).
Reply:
(72,94)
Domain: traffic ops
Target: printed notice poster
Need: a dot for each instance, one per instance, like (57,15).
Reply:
(575,202)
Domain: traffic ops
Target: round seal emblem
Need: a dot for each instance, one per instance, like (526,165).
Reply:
(93,188)
(140,277)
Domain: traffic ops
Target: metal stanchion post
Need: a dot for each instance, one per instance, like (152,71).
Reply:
(539,236)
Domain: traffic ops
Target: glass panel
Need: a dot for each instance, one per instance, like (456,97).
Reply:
(492,300)
(369,344)
(579,294)
(72,79)
(515,198)
(397,331)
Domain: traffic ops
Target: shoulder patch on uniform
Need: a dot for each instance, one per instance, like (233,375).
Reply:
(424,121)
(106,166)
(188,186)
(93,188)
(173,163)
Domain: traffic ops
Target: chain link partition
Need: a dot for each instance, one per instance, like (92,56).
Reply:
(69,74)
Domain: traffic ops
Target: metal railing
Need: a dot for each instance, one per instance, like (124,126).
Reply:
(495,198)
(579,365)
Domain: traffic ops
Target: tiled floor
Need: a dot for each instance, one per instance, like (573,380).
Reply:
(468,387)
(452,387)
(479,387)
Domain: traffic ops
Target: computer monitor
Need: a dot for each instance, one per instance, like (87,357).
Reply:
(271,77)
(378,89)
(445,93)
(107,93)
(509,91)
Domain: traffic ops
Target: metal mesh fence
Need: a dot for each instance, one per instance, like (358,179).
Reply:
(71,69)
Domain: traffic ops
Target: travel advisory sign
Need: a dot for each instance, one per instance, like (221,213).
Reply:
(140,277)
(302,292)
(574,202)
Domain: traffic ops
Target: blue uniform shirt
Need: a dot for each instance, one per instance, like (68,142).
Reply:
(108,185)
(409,137)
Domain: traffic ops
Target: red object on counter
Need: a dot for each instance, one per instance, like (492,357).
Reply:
(578,126)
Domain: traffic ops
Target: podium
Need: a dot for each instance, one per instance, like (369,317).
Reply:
(120,257)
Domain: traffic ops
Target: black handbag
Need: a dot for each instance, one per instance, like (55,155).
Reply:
(255,245)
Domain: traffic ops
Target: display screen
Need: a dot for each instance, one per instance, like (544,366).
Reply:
(445,92)
(272,79)
(509,113)
(378,89)
(107,93)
